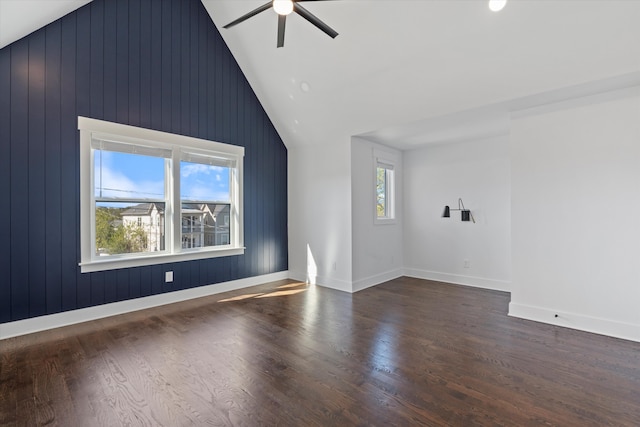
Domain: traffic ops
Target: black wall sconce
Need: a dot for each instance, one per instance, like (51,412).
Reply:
(465,214)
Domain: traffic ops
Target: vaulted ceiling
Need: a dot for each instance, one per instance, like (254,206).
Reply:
(410,72)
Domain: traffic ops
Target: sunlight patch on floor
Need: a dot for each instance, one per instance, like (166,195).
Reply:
(240,297)
(281,293)
(292,285)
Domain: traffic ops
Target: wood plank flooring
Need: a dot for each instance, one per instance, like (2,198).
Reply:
(408,352)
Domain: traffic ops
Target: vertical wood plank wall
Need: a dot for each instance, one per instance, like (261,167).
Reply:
(157,64)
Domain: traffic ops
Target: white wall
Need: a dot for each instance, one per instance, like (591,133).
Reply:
(436,248)
(377,248)
(575,207)
(319,197)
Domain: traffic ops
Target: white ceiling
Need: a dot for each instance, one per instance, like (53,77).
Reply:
(411,72)
(21,17)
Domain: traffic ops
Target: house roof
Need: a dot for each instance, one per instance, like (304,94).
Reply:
(142,209)
(405,72)
(215,209)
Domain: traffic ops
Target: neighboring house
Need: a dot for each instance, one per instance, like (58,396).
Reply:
(150,217)
(203,224)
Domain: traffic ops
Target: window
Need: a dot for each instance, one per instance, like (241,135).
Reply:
(150,197)
(384,189)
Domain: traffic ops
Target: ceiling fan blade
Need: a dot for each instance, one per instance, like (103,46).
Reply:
(282,19)
(250,14)
(314,20)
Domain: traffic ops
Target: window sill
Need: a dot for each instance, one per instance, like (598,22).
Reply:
(114,264)
(384,221)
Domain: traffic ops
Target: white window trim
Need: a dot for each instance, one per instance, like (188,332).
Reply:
(388,161)
(90,128)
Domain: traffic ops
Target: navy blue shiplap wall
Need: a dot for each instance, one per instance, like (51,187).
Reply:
(158,64)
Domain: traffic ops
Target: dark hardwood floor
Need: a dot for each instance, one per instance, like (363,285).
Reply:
(404,353)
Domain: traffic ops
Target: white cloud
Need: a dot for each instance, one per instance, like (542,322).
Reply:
(116,184)
(187,169)
(205,193)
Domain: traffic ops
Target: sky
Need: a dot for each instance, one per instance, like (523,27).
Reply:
(125,175)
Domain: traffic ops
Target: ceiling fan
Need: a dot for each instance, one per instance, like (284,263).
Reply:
(284,8)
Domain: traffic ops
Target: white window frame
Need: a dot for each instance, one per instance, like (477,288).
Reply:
(91,129)
(387,161)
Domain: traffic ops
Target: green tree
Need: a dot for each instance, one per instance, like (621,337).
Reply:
(381,191)
(115,237)
(137,238)
(126,239)
(105,218)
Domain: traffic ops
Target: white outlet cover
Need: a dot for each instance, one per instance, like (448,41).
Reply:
(168,276)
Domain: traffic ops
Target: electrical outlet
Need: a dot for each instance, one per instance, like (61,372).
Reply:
(467,263)
(168,276)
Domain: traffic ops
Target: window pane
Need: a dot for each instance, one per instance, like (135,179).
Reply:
(204,183)
(381,192)
(205,224)
(125,228)
(205,196)
(128,176)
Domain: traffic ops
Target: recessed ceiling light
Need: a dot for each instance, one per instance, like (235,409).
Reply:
(497,5)
(304,86)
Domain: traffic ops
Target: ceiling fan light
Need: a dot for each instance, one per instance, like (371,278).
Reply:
(497,5)
(283,7)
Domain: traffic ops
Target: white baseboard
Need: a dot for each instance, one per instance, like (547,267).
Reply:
(52,321)
(337,284)
(368,282)
(326,282)
(580,322)
(477,282)
(298,275)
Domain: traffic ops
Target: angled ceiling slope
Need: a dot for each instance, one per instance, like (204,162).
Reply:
(19,18)
(404,72)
